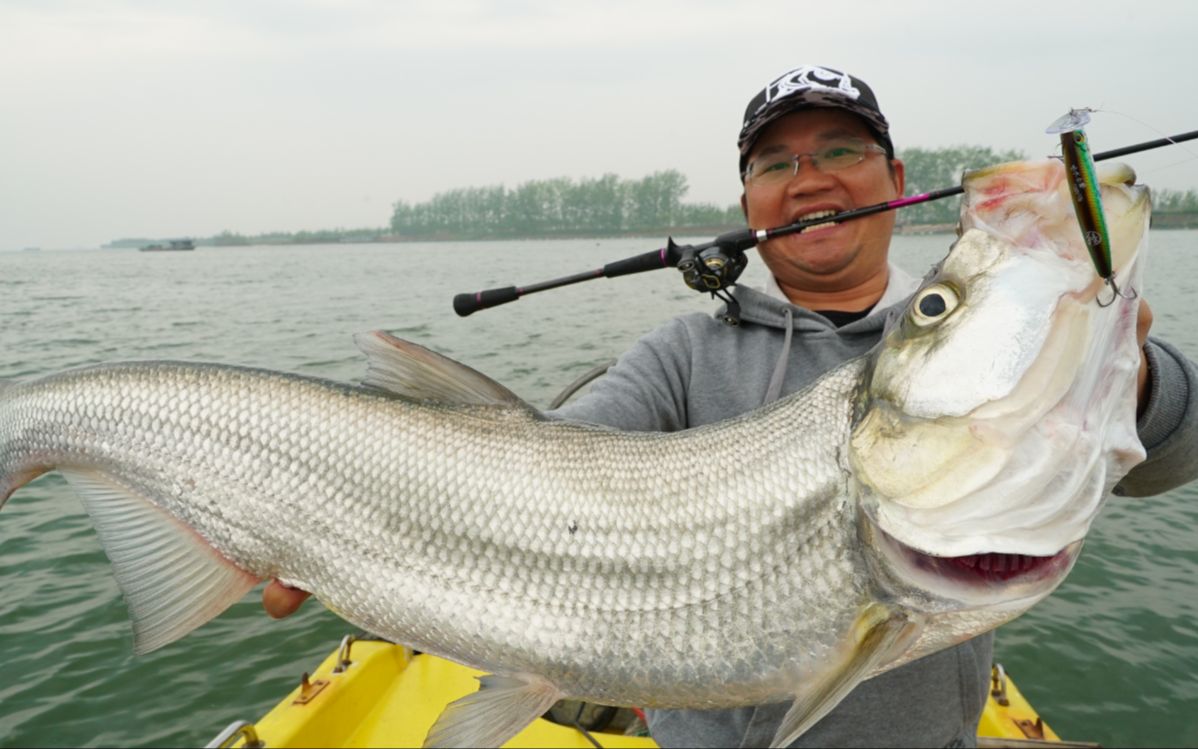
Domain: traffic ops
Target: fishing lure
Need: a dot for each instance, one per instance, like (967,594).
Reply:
(1083,188)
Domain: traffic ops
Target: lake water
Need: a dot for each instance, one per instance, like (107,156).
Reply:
(1111,657)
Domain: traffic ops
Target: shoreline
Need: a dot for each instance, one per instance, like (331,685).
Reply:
(1160,222)
(662,234)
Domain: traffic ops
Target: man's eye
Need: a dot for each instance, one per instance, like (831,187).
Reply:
(840,152)
(775,166)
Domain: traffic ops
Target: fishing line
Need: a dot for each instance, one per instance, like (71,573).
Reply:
(1164,136)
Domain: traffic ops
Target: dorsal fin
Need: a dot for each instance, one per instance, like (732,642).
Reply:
(411,370)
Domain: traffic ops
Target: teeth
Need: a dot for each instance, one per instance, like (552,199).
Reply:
(1003,565)
(815,215)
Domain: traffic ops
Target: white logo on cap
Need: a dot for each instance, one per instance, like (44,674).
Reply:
(810,77)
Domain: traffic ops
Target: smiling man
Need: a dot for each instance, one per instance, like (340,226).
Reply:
(803,160)
(814,142)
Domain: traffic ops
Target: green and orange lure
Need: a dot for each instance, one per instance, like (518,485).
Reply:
(1083,187)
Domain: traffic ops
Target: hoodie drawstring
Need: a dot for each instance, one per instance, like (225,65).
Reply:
(775,386)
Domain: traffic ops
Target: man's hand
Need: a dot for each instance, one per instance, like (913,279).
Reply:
(280,601)
(1143,323)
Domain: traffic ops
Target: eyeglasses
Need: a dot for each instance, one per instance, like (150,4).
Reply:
(776,168)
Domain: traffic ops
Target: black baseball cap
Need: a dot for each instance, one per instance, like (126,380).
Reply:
(810,87)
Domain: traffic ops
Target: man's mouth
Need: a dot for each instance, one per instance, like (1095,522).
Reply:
(817,215)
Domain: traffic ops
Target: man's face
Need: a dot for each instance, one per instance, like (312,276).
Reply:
(826,258)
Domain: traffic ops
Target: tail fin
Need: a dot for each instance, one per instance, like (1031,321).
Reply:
(10,482)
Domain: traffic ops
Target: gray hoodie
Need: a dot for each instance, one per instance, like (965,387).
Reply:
(696,370)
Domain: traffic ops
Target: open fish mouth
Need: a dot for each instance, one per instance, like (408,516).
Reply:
(979,572)
(990,567)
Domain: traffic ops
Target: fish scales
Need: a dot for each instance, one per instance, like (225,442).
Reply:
(550,550)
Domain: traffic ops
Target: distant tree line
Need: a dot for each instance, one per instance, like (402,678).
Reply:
(1174,209)
(609,205)
(929,169)
(1174,201)
(933,169)
(561,206)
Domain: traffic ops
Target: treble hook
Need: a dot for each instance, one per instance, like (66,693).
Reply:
(1116,293)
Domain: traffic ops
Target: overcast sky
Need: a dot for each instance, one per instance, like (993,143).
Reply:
(158,118)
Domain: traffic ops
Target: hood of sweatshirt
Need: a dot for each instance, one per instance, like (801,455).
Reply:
(771,308)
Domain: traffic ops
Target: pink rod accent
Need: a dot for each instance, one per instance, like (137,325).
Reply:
(909,200)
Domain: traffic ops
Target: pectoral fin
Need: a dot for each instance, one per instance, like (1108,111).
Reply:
(172,579)
(499,710)
(880,635)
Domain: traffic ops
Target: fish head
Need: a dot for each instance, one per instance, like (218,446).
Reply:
(998,411)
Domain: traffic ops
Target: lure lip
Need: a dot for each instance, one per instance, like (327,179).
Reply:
(1074,119)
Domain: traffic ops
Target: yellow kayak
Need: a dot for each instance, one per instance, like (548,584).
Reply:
(371,693)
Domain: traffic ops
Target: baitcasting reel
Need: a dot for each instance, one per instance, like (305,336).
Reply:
(712,268)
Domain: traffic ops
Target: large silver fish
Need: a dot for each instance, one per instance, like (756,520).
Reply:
(905,501)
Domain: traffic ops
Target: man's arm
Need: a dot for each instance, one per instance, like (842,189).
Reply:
(646,389)
(1168,424)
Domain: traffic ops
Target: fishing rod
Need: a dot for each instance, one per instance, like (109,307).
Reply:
(714,266)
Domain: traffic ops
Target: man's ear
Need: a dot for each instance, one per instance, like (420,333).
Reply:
(900,176)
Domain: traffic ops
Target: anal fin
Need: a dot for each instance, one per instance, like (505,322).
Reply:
(500,709)
(880,635)
(172,579)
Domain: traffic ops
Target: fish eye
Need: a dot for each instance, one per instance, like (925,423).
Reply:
(933,304)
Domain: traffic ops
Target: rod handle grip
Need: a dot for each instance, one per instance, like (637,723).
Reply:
(637,264)
(466,304)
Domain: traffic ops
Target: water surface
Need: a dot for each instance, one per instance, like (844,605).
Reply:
(1111,657)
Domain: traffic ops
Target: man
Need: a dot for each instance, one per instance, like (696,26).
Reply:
(815,141)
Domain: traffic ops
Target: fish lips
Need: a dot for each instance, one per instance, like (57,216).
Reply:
(980,579)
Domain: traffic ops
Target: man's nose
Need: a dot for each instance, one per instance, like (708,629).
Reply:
(807,177)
